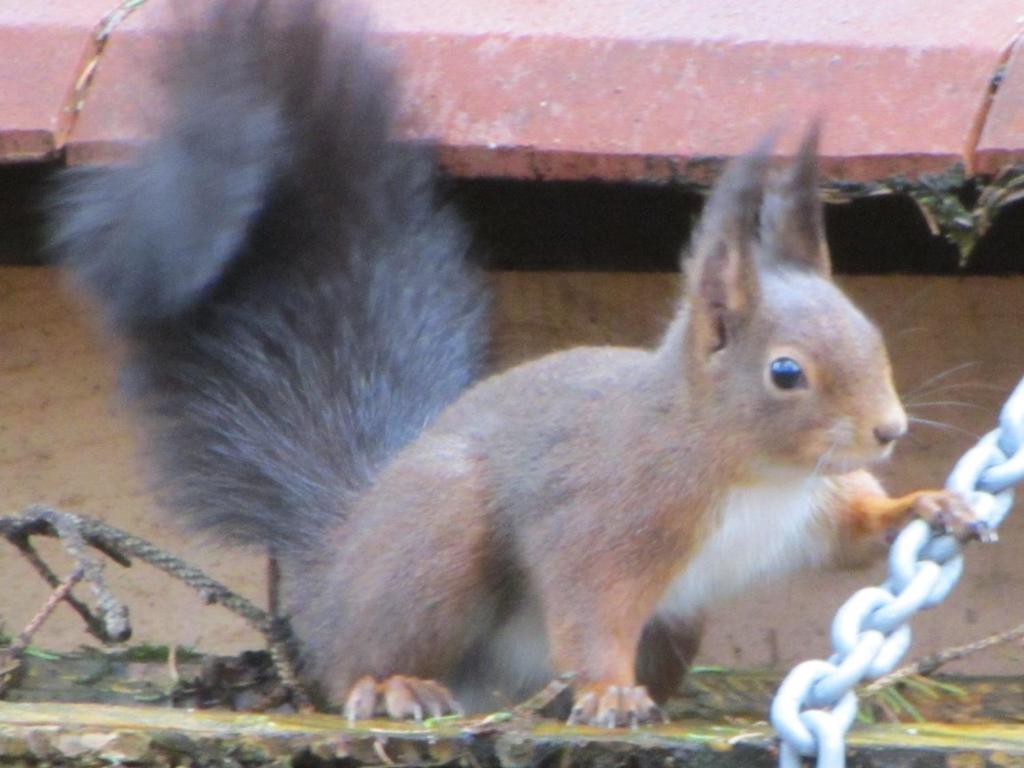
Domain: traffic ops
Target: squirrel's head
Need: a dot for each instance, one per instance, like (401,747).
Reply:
(780,357)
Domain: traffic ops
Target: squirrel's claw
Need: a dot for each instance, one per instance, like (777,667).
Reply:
(617,706)
(399,698)
(949,512)
(361,703)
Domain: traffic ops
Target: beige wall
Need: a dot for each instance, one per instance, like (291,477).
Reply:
(64,440)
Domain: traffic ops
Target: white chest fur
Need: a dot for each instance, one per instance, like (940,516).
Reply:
(762,532)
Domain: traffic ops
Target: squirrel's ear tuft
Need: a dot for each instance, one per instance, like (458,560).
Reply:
(722,271)
(792,222)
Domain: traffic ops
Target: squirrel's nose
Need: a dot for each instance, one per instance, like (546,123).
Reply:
(887,433)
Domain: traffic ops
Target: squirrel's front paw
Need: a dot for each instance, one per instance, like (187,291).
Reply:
(948,511)
(400,698)
(615,706)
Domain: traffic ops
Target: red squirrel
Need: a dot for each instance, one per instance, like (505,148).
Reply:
(306,340)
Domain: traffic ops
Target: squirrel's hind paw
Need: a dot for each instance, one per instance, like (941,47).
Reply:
(615,706)
(399,698)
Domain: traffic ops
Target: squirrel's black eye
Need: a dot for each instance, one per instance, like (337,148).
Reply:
(787,373)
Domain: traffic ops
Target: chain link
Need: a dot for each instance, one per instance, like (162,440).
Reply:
(816,704)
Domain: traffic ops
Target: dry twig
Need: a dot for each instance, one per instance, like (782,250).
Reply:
(76,533)
(10,659)
(927,665)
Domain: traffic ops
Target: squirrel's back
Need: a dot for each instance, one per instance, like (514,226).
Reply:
(298,303)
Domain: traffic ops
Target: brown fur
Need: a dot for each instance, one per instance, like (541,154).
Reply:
(303,324)
(576,488)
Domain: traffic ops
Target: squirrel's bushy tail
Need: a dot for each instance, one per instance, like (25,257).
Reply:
(298,304)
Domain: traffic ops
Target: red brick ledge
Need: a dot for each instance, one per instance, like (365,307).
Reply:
(604,89)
